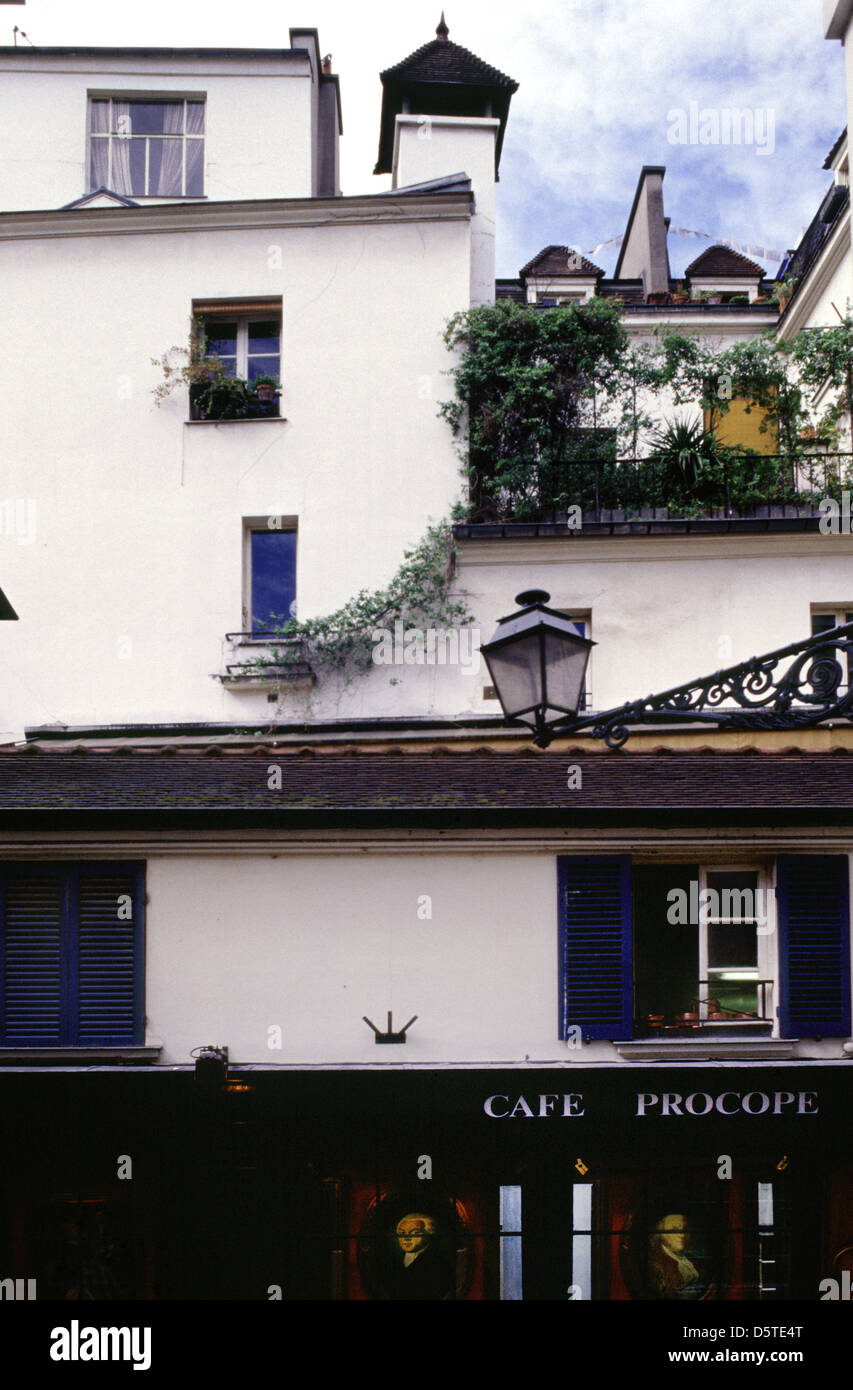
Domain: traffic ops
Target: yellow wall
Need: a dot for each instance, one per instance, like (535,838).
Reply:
(742,427)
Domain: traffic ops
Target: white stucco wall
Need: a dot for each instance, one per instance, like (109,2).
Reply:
(258,122)
(666,610)
(431,147)
(137,529)
(238,945)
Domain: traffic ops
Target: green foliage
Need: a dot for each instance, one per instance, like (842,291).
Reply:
(544,394)
(784,289)
(417,596)
(522,382)
(200,367)
(226,398)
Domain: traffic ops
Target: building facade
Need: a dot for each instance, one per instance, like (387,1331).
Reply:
(323,985)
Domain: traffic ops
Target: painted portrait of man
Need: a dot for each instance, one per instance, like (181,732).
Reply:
(671,1272)
(421,1270)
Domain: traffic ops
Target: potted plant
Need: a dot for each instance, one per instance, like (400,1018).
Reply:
(266,387)
(200,369)
(783,291)
(225,398)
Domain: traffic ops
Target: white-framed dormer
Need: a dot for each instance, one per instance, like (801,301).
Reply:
(560,275)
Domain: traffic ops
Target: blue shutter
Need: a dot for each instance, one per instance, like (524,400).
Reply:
(31,961)
(596,984)
(108,959)
(71,955)
(814,945)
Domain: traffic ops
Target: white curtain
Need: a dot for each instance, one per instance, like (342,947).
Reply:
(171,179)
(120,178)
(99,157)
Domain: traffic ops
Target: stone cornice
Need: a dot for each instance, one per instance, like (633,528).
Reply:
(243,215)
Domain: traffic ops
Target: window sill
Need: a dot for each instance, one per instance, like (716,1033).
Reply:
(705,1049)
(246,420)
(42,1056)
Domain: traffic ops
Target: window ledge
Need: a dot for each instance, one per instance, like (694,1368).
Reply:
(83,1055)
(246,420)
(705,1049)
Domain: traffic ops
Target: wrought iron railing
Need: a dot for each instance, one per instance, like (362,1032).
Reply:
(607,489)
(708,1010)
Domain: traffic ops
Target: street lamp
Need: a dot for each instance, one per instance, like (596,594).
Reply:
(537,660)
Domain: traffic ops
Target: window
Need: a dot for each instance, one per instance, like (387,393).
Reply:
(245,335)
(145,148)
(249,347)
(685,950)
(823,620)
(270,575)
(71,955)
(582,622)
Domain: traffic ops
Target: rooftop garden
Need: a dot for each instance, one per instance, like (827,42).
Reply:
(560,410)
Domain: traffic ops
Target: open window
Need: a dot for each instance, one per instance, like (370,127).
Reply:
(694,950)
(704,949)
(243,337)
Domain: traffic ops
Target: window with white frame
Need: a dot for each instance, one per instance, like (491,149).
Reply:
(824,618)
(583,623)
(705,947)
(247,343)
(146,147)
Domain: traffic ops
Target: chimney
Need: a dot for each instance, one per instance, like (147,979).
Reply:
(644,252)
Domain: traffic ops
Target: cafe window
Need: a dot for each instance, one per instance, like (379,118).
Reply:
(691,950)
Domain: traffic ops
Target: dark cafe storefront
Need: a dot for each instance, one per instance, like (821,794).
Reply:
(693,1183)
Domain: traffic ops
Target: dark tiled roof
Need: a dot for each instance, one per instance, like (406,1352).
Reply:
(835,202)
(510,289)
(101,192)
(827,163)
(442,79)
(443,61)
(165,787)
(722,260)
(555,260)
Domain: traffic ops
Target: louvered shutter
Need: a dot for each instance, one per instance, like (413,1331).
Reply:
(814,945)
(596,986)
(107,935)
(31,965)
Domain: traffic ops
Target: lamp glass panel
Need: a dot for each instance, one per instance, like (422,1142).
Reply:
(517,673)
(566,663)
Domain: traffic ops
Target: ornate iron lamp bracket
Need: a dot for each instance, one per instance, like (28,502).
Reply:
(811,689)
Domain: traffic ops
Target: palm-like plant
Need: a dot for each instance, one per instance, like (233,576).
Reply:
(689,457)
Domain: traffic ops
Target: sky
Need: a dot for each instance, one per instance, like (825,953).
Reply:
(605,87)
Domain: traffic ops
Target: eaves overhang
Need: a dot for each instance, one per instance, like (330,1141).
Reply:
(453,204)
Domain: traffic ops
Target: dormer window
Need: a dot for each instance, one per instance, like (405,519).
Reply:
(145,148)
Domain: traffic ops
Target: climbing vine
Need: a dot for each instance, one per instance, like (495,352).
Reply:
(418,596)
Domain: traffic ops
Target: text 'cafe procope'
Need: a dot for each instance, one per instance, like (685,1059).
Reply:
(664,1104)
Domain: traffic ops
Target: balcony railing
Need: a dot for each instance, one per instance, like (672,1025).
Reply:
(608,490)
